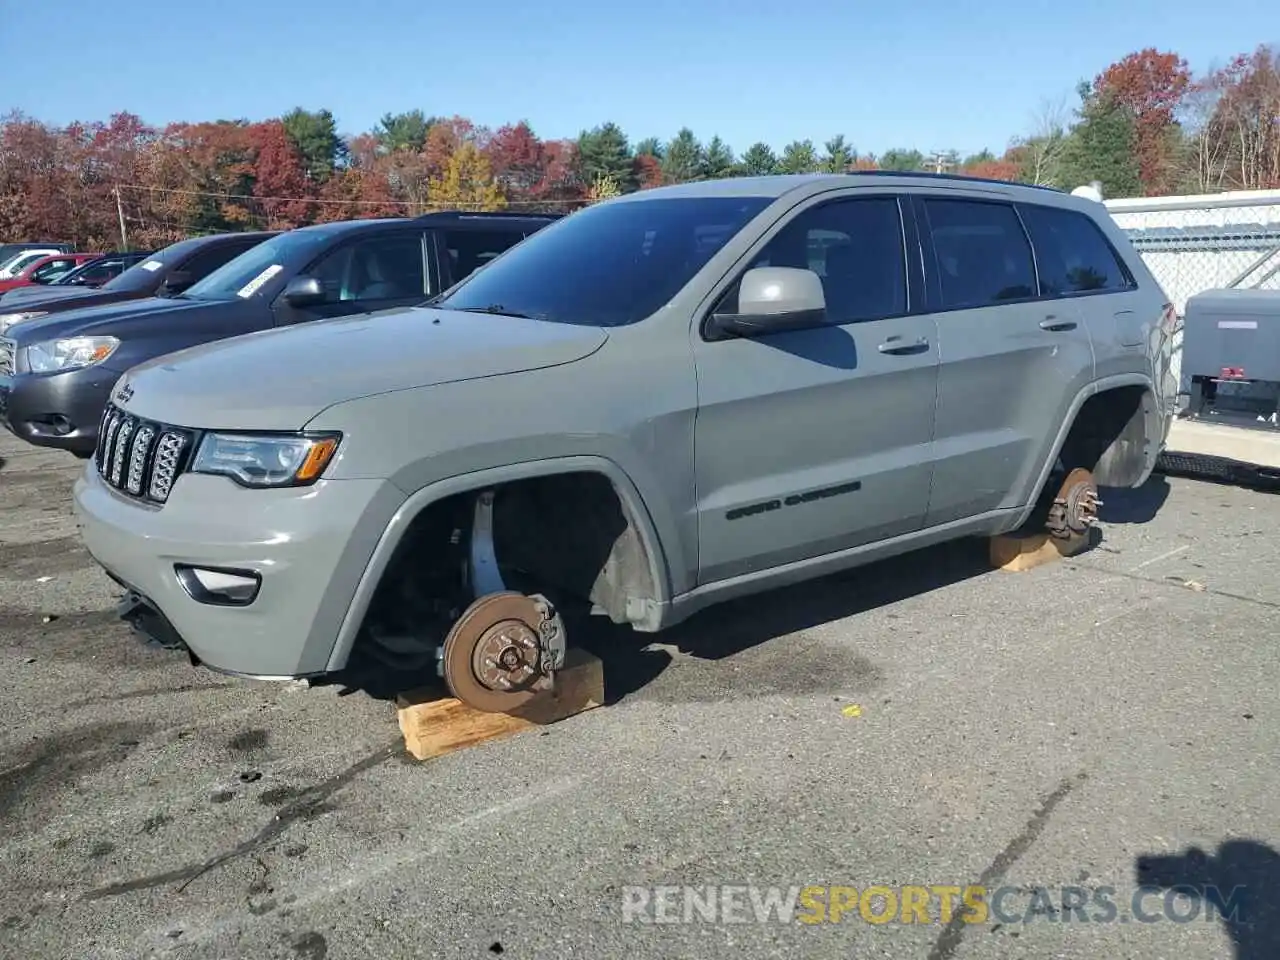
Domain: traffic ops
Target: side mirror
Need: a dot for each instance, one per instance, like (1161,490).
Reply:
(774,299)
(304,292)
(178,280)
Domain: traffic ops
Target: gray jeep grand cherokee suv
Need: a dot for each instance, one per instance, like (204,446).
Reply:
(662,401)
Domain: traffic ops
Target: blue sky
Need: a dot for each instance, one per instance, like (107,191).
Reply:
(933,74)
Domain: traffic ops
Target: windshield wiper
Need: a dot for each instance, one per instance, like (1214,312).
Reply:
(498,310)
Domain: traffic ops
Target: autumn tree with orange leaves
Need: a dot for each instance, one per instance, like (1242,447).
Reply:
(1150,86)
(1143,126)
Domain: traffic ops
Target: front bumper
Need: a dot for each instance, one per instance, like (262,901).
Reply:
(58,410)
(309,546)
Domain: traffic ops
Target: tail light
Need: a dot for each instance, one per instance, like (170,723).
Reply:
(1168,318)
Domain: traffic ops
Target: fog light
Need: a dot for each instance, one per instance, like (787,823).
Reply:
(219,586)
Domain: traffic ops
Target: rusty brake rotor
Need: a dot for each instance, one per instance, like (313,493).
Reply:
(1075,508)
(496,657)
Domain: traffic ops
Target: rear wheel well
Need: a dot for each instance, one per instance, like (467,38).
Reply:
(569,536)
(1109,436)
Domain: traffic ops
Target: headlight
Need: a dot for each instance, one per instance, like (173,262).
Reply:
(69,354)
(265,461)
(7,320)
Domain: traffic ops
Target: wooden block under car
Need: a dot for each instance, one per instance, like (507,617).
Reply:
(433,726)
(1017,554)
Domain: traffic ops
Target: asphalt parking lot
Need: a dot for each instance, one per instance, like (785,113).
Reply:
(924,722)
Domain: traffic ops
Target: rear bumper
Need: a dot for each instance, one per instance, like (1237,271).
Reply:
(308,547)
(59,410)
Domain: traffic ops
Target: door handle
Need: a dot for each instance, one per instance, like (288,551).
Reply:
(896,346)
(1055,325)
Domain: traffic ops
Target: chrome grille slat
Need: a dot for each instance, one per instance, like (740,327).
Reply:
(140,458)
(138,454)
(8,356)
(121,448)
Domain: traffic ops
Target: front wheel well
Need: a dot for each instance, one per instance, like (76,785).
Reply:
(571,536)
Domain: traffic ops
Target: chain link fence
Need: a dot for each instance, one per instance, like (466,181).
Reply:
(1197,243)
(1193,244)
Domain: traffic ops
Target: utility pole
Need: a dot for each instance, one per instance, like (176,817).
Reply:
(124,237)
(940,161)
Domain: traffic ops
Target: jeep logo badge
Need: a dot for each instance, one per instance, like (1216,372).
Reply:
(125,393)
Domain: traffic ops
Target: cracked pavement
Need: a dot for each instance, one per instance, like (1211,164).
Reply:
(1044,729)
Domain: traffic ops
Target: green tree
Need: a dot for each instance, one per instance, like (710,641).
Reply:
(604,154)
(1102,147)
(684,159)
(799,156)
(899,159)
(758,161)
(649,147)
(839,156)
(315,136)
(717,160)
(403,131)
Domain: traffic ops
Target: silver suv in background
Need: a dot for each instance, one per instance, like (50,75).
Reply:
(660,402)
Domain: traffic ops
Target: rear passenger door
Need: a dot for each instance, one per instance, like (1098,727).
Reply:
(1011,361)
(367,273)
(1077,262)
(461,252)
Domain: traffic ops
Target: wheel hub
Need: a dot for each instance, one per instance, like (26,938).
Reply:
(502,651)
(1075,508)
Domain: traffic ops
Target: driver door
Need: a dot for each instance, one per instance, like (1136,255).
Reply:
(810,442)
(364,275)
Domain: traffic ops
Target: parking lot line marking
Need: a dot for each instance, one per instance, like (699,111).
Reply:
(1164,556)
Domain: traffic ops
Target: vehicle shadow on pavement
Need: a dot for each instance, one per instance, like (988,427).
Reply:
(1123,505)
(1237,886)
(735,626)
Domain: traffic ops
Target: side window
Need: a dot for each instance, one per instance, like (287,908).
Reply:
(1072,253)
(101,272)
(856,247)
(982,253)
(201,264)
(386,267)
(52,270)
(469,250)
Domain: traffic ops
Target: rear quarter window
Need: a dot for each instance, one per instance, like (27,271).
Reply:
(1073,255)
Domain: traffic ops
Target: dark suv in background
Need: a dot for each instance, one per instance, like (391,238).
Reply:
(56,371)
(159,274)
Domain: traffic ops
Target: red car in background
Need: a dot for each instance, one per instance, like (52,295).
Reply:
(47,269)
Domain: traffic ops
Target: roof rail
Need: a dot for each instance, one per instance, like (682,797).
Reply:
(948,176)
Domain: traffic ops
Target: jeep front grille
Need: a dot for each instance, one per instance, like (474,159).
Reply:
(140,458)
(8,355)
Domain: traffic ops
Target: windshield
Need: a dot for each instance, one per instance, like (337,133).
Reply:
(608,265)
(247,273)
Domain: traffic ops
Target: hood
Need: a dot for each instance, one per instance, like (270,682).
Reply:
(279,379)
(96,318)
(36,293)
